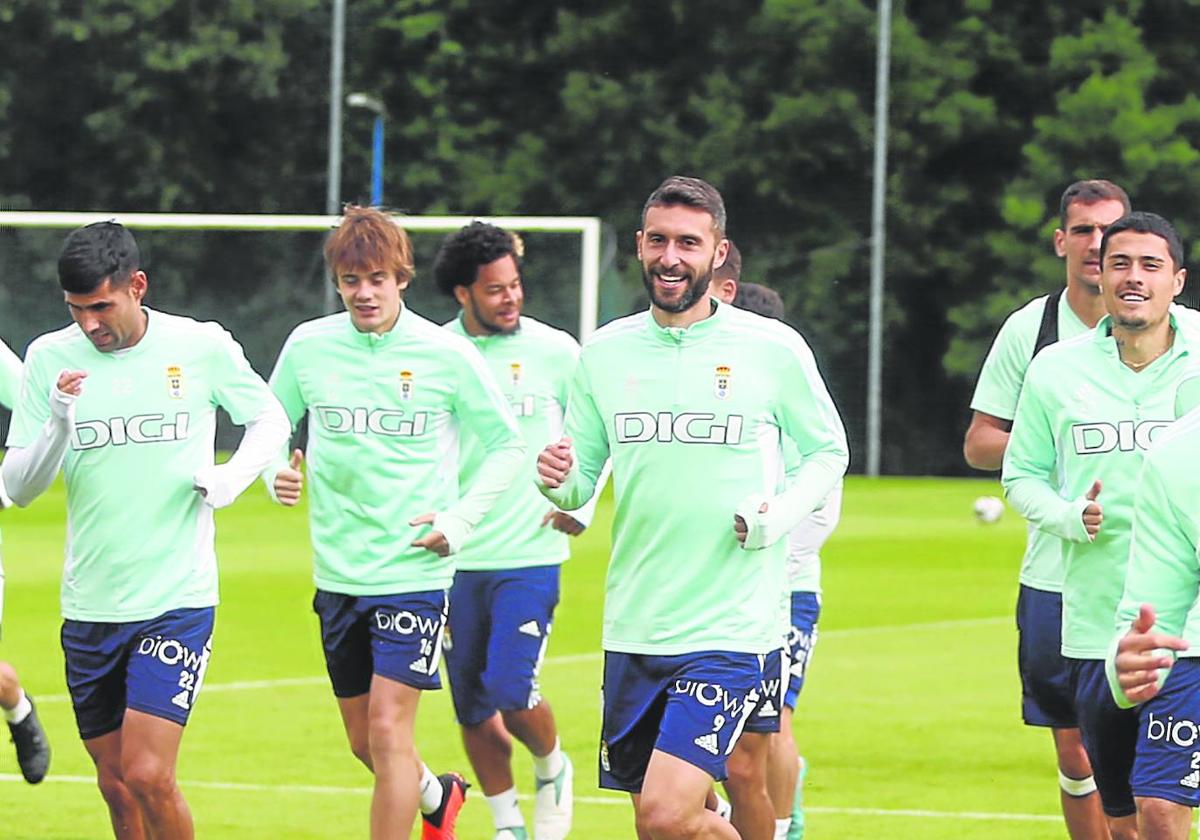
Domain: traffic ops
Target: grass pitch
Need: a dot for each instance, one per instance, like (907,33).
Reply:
(910,719)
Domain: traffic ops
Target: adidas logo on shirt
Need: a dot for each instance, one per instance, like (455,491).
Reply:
(530,628)
(1191,780)
(707,742)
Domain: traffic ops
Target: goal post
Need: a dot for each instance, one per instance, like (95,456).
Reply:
(587,227)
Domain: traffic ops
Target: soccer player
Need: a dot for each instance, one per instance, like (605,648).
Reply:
(125,402)
(507,581)
(1088,410)
(692,400)
(388,393)
(28,736)
(784,769)
(1086,209)
(1157,621)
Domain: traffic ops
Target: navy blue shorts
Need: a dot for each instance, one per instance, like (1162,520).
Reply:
(773,669)
(1047,698)
(1109,735)
(395,636)
(802,640)
(1168,745)
(499,628)
(693,706)
(154,666)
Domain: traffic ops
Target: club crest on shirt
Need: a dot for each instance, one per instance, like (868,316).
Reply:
(515,370)
(175,382)
(406,385)
(721,388)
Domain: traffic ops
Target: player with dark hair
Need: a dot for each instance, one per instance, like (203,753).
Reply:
(507,581)
(775,768)
(1089,410)
(388,394)
(125,402)
(690,390)
(1086,209)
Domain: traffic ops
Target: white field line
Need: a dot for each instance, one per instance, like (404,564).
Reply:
(324,790)
(576,658)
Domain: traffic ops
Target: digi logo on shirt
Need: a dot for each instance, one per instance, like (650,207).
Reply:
(391,422)
(118,431)
(688,427)
(1125,436)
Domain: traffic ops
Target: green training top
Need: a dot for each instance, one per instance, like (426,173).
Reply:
(533,367)
(1083,415)
(385,412)
(996,394)
(139,536)
(1164,563)
(693,419)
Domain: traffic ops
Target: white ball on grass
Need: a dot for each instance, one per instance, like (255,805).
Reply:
(988,508)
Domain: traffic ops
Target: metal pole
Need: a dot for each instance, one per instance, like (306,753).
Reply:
(377,163)
(333,185)
(879,193)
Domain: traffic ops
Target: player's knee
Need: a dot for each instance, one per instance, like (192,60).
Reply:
(1073,761)
(148,780)
(388,739)
(1159,818)
(658,818)
(112,787)
(746,766)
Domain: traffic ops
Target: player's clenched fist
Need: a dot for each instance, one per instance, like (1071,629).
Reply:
(555,462)
(71,382)
(1141,654)
(289,481)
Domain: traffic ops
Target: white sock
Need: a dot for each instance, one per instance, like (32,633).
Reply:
(505,812)
(20,711)
(431,790)
(782,827)
(550,765)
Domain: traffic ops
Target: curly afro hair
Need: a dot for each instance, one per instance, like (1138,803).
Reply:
(464,251)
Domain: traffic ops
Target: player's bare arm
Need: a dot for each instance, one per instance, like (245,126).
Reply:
(986,440)
(554,463)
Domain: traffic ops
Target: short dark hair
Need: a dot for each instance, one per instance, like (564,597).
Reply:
(95,253)
(759,299)
(731,269)
(1089,192)
(1146,223)
(690,192)
(466,250)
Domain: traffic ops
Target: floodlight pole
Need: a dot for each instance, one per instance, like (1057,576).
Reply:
(333,184)
(375,106)
(878,199)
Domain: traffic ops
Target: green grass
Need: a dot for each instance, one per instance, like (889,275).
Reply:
(909,720)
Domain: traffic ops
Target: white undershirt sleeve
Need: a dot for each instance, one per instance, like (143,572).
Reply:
(29,470)
(265,435)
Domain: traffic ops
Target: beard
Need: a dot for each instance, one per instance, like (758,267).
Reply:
(491,326)
(697,285)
